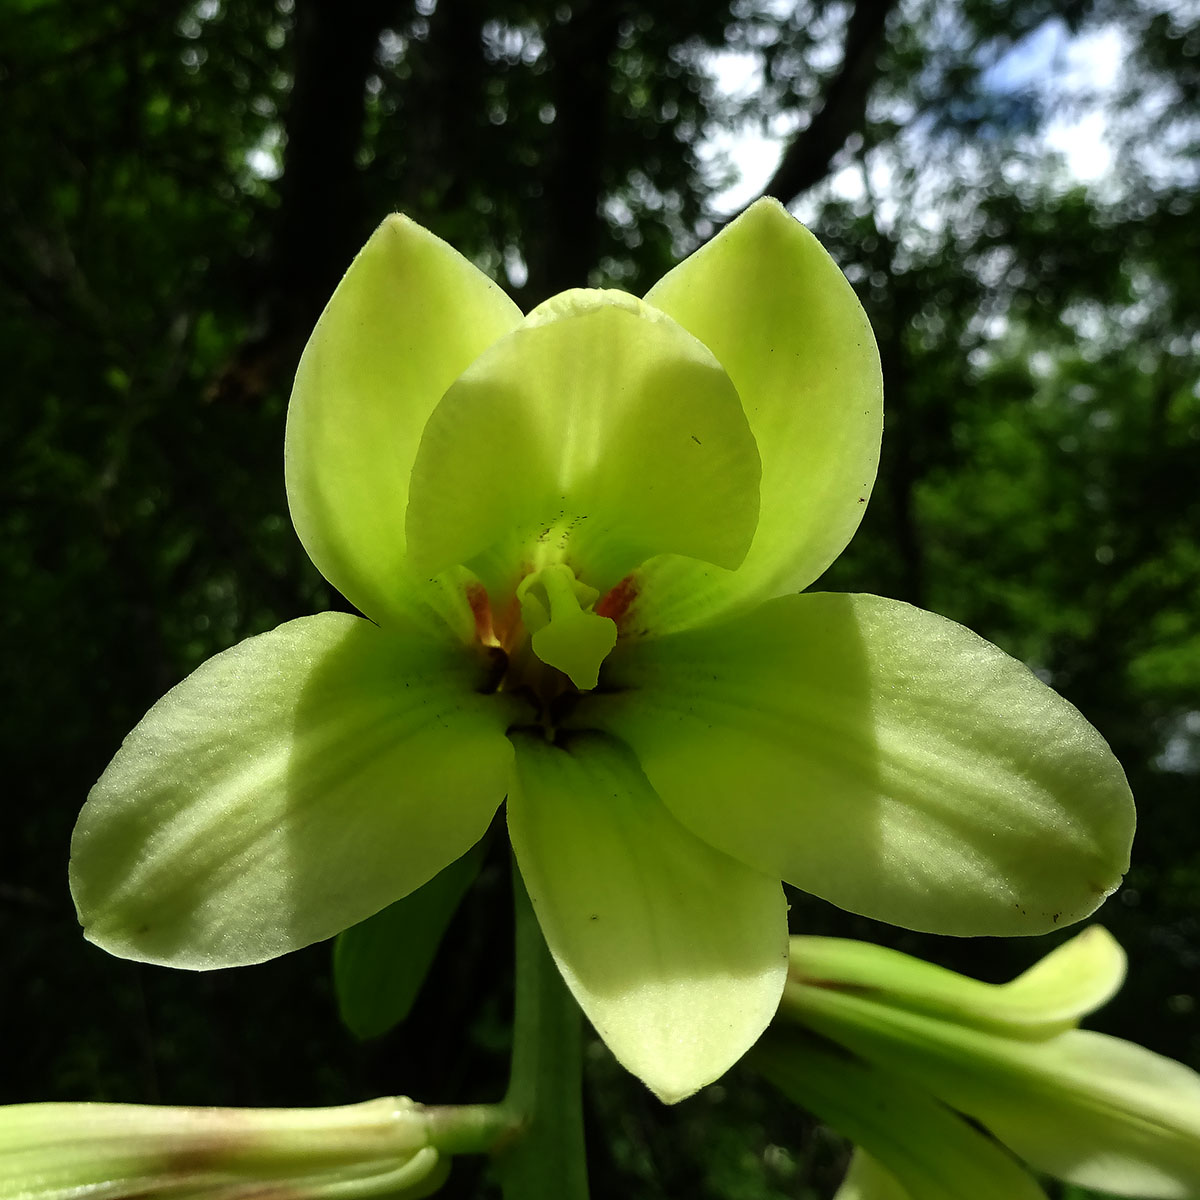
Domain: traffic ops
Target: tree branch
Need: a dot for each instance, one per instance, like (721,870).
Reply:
(580,49)
(843,109)
(321,221)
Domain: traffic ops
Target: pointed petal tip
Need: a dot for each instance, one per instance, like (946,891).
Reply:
(768,209)
(674,1093)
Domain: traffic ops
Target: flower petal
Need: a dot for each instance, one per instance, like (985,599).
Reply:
(291,786)
(1071,981)
(410,315)
(932,1153)
(1091,1109)
(781,319)
(676,953)
(882,757)
(600,432)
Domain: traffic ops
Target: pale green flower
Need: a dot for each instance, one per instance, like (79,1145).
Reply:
(114,1151)
(906,1047)
(577,538)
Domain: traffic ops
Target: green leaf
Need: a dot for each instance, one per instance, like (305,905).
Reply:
(289,787)
(932,1153)
(1091,1109)
(881,757)
(380,964)
(410,316)
(1070,982)
(782,320)
(676,953)
(600,433)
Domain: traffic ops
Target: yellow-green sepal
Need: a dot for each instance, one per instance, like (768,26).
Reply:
(410,315)
(676,953)
(597,434)
(288,788)
(881,757)
(779,316)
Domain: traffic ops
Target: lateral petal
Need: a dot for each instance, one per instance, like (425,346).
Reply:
(770,303)
(881,757)
(289,787)
(676,953)
(408,318)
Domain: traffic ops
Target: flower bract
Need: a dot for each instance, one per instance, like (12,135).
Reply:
(906,1050)
(578,540)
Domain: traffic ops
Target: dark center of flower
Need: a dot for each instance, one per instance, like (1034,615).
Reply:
(549,642)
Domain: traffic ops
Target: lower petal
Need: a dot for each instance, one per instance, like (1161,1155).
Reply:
(881,757)
(291,786)
(676,953)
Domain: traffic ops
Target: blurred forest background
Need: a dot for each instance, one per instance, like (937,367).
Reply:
(1011,186)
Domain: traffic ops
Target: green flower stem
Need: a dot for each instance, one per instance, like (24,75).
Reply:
(547,1160)
(470,1128)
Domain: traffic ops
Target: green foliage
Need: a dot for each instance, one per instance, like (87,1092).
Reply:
(380,964)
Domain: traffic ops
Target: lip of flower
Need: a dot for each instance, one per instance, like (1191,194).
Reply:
(577,537)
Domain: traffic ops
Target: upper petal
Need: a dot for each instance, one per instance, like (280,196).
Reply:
(785,324)
(598,433)
(410,315)
(676,953)
(289,787)
(881,757)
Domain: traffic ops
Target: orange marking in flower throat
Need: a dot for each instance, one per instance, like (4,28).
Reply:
(616,603)
(481,610)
